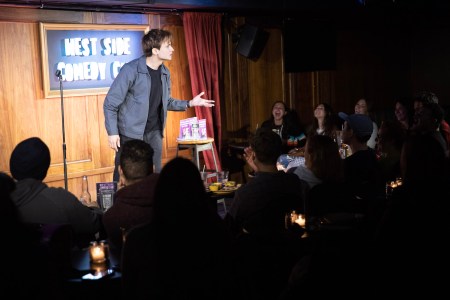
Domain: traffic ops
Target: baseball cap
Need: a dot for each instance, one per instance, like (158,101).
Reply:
(361,124)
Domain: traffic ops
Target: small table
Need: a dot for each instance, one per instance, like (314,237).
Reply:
(198,146)
(106,287)
(220,195)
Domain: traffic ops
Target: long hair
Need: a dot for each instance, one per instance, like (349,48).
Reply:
(329,122)
(180,197)
(324,159)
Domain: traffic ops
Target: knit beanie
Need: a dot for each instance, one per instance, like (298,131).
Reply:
(30,159)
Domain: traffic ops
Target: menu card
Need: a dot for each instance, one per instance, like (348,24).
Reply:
(105,194)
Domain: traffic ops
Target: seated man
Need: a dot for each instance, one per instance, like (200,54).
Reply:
(360,168)
(264,252)
(133,202)
(260,205)
(37,203)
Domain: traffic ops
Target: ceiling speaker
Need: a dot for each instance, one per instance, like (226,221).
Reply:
(252,41)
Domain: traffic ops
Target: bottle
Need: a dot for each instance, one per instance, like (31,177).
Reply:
(85,197)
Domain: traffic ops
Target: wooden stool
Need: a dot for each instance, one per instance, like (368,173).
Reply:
(198,146)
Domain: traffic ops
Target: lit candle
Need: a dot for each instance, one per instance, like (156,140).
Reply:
(97,253)
(294,216)
(104,244)
(301,220)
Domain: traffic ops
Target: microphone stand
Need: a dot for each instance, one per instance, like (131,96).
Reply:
(59,75)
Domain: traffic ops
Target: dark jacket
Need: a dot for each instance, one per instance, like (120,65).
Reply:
(133,205)
(260,205)
(38,203)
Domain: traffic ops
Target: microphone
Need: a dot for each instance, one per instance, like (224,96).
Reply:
(58,73)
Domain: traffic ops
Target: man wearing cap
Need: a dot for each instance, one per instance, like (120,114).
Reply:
(360,169)
(39,204)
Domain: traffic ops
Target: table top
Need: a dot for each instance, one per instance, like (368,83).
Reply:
(224,192)
(92,281)
(81,260)
(195,142)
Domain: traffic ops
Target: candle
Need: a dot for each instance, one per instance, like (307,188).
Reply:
(301,220)
(97,253)
(104,244)
(294,216)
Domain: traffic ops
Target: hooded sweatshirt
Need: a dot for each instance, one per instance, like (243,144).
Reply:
(38,203)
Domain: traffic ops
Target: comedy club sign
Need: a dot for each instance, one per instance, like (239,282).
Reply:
(88,57)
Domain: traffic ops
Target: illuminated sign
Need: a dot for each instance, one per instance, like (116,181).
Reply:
(88,56)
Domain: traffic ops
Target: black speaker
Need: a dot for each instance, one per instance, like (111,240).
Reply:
(251,41)
(309,46)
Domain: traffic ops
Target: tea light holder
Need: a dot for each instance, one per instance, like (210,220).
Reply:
(301,220)
(98,252)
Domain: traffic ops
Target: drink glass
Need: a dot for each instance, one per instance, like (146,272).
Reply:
(222,177)
(204,176)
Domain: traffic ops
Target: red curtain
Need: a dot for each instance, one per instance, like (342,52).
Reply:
(203,34)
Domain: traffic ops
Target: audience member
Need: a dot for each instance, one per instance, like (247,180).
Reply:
(364,107)
(390,141)
(27,267)
(428,97)
(40,204)
(322,161)
(415,222)
(183,252)
(427,120)
(133,202)
(324,123)
(263,252)
(323,172)
(404,113)
(360,168)
(285,123)
(259,206)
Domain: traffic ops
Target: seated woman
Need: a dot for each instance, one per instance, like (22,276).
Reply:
(284,122)
(182,252)
(403,113)
(323,165)
(324,123)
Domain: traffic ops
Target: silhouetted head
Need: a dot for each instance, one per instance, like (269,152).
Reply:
(30,159)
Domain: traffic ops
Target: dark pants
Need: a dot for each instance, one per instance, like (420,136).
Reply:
(154,139)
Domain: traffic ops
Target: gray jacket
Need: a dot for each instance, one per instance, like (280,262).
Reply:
(127,102)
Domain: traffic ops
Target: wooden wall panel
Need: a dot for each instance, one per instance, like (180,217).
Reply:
(17,76)
(25,112)
(181,89)
(250,86)
(265,77)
